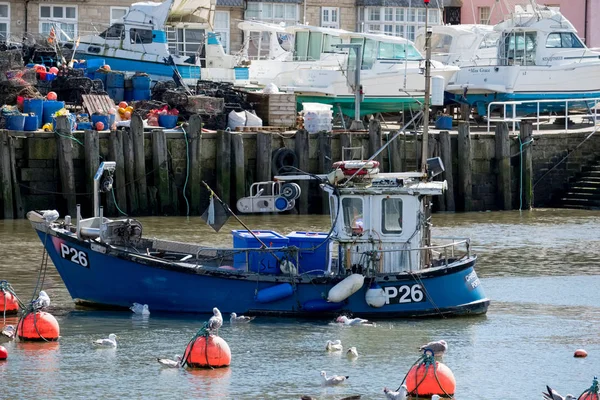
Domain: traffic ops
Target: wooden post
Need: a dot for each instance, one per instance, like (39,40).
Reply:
(324,140)
(375,142)
(20,213)
(302,154)
(129,160)
(397,153)
(7,190)
(465,164)
(160,164)
(194,134)
(264,154)
(345,141)
(465,112)
(65,162)
(446,156)
(91,147)
(224,166)
(504,194)
(137,134)
(526,136)
(238,162)
(115,152)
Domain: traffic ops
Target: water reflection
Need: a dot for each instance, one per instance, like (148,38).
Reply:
(210,383)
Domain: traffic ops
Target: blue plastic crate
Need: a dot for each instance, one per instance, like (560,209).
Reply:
(258,261)
(313,253)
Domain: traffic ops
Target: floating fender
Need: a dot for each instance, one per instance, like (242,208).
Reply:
(426,381)
(284,160)
(208,352)
(8,303)
(38,326)
(319,305)
(375,296)
(346,288)
(274,293)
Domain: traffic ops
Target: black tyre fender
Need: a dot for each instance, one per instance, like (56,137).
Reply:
(284,160)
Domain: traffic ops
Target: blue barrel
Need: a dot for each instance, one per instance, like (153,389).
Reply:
(320,305)
(116,94)
(34,106)
(167,121)
(94,64)
(81,126)
(141,82)
(274,293)
(128,95)
(115,80)
(443,122)
(100,118)
(31,123)
(51,107)
(102,75)
(145,94)
(15,122)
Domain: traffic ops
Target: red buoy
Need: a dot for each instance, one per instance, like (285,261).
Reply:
(580,353)
(3,353)
(211,352)
(588,396)
(421,380)
(8,303)
(38,325)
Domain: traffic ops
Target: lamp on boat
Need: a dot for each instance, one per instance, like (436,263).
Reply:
(435,166)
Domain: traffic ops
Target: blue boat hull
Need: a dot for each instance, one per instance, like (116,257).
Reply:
(103,276)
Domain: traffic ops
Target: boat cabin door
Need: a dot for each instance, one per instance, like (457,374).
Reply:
(518,48)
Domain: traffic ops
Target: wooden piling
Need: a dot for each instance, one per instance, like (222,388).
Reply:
(238,165)
(345,142)
(302,154)
(504,194)
(129,161)
(324,141)
(375,141)
(115,153)
(465,164)
(526,135)
(264,155)
(160,164)
(7,189)
(446,156)
(397,152)
(20,211)
(65,162)
(194,134)
(224,166)
(137,134)
(91,148)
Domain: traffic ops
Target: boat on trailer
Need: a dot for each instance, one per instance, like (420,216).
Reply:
(377,261)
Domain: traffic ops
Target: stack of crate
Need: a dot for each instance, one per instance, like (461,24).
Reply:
(276,109)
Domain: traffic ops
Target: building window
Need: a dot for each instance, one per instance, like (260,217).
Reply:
(272,12)
(4,21)
(185,41)
(330,17)
(117,14)
(62,18)
(397,21)
(222,28)
(484,15)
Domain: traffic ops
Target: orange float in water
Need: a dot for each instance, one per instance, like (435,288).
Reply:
(421,380)
(8,303)
(580,353)
(211,352)
(3,353)
(38,326)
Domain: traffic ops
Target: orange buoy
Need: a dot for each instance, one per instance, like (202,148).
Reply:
(211,352)
(3,353)
(588,396)
(8,303)
(421,380)
(38,325)
(580,353)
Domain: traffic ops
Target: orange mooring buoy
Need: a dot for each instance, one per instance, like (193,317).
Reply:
(421,380)
(3,353)
(8,303)
(207,352)
(38,325)
(580,353)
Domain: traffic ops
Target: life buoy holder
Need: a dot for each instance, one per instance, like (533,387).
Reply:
(351,167)
(284,160)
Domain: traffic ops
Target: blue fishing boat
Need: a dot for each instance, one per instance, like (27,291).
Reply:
(377,261)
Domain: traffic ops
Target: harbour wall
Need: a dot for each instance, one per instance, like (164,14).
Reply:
(484,171)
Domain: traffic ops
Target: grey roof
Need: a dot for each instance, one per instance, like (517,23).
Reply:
(401,3)
(230,3)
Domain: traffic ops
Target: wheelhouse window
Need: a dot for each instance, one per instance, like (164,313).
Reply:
(4,21)
(563,40)
(352,208)
(391,215)
(62,20)
(116,31)
(185,41)
(141,36)
(398,51)
(519,48)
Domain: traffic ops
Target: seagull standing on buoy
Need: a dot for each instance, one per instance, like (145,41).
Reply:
(41,302)
(336,345)
(439,347)
(401,394)
(110,342)
(170,363)
(241,319)
(352,352)
(353,321)
(333,380)
(553,395)
(216,321)
(137,308)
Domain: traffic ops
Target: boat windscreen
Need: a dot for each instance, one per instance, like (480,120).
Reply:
(116,31)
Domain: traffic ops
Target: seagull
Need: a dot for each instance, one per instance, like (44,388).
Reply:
(333,380)
(435,397)
(553,395)
(41,302)
(336,345)
(352,353)
(438,348)
(353,321)
(9,331)
(399,395)
(110,342)
(137,308)
(216,321)
(170,363)
(235,319)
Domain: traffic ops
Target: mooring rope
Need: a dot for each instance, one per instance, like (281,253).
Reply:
(427,360)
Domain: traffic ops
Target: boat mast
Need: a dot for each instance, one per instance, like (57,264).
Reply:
(424,144)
